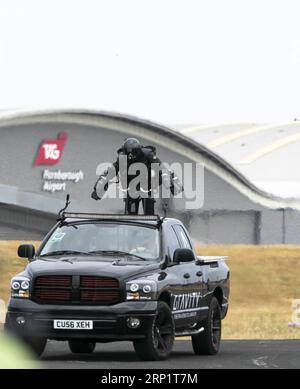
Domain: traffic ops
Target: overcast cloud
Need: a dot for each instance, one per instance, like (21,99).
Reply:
(168,61)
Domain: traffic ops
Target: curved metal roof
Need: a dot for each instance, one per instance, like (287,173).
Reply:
(267,154)
(182,142)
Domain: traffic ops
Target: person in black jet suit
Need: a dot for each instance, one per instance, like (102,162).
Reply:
(135,152)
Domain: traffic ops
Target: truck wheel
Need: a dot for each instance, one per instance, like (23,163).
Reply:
(81,346)
(37,345)
(208,341)
(159,340)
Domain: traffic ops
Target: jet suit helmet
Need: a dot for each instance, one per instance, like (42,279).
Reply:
(132,149)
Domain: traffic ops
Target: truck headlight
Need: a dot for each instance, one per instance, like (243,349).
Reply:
(147,288)
(20,287)
(134,287)
(141,290)
(25,285)
(15,285)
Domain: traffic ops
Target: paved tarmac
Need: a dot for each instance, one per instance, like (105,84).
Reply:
(238,354)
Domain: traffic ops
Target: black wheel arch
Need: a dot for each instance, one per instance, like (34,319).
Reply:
(218,293)
(166,297)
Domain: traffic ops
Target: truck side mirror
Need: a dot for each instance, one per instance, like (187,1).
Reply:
(183,255)
(26,251)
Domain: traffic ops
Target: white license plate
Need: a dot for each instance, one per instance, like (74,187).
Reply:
(73,324)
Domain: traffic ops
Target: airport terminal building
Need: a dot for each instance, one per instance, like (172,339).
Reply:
(45,155)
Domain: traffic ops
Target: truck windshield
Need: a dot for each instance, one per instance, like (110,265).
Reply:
(138,242)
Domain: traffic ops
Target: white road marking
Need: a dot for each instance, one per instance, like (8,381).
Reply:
(261,362)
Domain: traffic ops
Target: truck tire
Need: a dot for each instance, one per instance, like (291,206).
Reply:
(37,345)
(81,346)
(208,341)
(159,340)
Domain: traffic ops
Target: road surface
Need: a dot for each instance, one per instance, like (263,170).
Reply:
(239,354)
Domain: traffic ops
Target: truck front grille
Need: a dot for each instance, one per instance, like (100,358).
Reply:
(66,289)
(98,282)
(53,281)
(101,290)
(53,295)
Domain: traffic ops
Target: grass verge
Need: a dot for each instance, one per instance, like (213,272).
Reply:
(264,281)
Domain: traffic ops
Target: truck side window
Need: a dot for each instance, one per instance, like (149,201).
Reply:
(173,242)
(184,240)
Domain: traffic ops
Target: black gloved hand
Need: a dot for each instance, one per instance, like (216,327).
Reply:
(95,196)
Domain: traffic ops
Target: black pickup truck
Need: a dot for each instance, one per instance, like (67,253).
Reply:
(101,278)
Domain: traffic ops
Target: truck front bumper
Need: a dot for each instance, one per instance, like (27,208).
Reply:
(29,319)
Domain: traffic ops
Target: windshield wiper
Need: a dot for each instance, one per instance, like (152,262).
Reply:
(116,252)
(63,252)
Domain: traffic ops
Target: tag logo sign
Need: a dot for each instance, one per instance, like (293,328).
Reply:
(51,150)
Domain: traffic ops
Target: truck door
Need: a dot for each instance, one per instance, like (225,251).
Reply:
(195,285)
(179,281)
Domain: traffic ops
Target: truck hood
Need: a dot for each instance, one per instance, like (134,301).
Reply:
(95,266)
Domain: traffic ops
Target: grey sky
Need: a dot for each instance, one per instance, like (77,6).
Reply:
(168,61)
